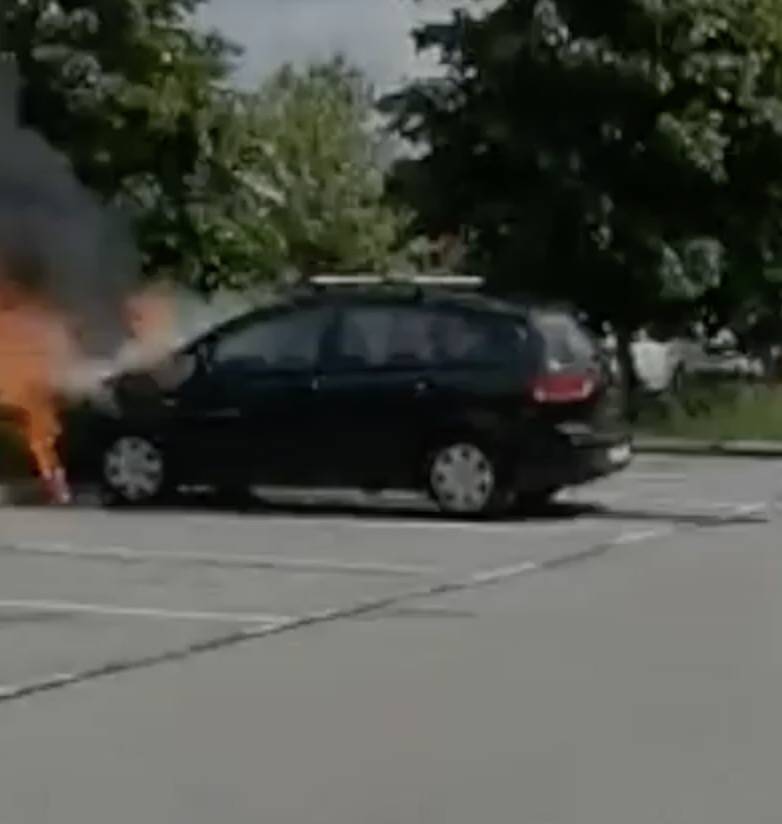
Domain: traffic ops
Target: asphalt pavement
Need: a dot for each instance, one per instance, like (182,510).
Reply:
(613,659)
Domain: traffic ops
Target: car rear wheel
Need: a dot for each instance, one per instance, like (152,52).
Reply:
(463,479)
(133,470)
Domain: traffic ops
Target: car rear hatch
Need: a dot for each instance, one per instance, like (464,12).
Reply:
(577,388)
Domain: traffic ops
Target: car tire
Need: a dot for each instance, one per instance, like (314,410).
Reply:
(464,479)
(133,471)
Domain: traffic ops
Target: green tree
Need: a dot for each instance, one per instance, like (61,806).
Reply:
(625,154)
(136,97)
(312,154)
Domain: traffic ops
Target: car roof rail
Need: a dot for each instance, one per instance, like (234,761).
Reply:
(420,281)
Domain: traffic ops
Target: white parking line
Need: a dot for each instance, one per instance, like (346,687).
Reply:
(495,575)
(739,507)
(364,522)
(749,509)
(643,535)
(520,527)
(245,561)
(108,610)
(651,501)
(655,477)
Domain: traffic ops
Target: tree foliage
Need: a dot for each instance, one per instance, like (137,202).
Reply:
(225,188)
(312,154)
(131,93)
(625,154)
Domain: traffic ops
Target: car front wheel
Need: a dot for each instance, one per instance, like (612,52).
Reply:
(463,480)
(133,470)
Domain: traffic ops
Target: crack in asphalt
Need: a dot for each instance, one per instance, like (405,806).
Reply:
(377,606)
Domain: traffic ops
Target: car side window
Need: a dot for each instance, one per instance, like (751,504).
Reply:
(289,343)
(463,339)
(377,337)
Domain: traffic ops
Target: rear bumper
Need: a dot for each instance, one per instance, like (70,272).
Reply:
(573,460)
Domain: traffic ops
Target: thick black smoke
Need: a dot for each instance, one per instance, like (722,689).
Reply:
(55,238)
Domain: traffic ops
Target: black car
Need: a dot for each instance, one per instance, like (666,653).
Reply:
(477,401)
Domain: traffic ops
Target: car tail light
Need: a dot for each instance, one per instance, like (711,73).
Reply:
(564,387)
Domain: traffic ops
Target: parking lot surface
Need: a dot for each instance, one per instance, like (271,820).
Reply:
(612,659)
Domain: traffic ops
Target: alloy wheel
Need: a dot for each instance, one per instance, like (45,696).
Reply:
(462,479)
(134,469)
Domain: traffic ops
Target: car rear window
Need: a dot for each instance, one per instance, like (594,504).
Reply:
(566,343)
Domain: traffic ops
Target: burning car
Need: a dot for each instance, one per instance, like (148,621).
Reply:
(393,386)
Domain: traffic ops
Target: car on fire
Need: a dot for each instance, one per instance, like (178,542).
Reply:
(374,385)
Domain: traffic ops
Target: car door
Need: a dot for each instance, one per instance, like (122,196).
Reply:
(375,395)
(254,403)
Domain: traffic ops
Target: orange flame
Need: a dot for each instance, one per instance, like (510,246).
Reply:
(38,349)
(35,345)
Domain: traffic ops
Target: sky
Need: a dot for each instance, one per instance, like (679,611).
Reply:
(373,34)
